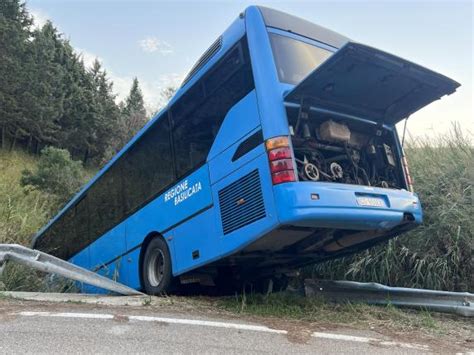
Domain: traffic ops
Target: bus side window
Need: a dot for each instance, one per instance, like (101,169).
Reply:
(148,166)
(59,237)
(81,225)
(194,132)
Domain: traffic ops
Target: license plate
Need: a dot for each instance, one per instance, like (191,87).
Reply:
(371,201)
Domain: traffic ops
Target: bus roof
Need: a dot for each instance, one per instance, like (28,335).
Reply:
(290,23)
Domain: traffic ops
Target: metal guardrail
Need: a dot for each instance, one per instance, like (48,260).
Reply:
(461,303)
(50,264)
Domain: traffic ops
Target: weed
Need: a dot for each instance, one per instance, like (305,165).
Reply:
(146,301)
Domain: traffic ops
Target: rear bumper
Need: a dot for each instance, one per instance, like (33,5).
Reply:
(338,207)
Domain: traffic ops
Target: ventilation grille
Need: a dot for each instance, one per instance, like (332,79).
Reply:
(241,202)
(213,49)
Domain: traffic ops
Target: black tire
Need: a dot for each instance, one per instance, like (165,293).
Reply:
(157,274)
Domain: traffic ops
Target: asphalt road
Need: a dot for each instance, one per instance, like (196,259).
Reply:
(53,334)
(39,327)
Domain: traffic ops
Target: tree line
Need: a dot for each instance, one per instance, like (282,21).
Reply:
(48,97)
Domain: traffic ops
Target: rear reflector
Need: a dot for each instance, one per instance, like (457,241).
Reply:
(283,176)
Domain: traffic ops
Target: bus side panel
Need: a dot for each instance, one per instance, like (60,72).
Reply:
(81,259)
(270,101)
(108,247)
(239,218)
(195,242)
(239,121)
(132,269)
(170,208)
(222,165)
(124,270)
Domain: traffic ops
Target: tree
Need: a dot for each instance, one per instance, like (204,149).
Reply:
(167,93)
(134,113)
(107,113)
(49,98)
(43,102)
(15,33)
(132,116)
(135,103)
(57,174)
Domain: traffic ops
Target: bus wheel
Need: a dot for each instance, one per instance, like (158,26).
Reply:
(156,268)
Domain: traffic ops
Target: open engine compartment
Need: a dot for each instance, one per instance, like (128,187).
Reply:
(344,150)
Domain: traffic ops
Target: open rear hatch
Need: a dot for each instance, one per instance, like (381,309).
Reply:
(365,82)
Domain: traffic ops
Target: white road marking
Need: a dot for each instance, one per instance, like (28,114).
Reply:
(357,339)
(256,328)
(67,315)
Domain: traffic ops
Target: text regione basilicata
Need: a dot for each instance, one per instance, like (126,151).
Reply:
(182,191)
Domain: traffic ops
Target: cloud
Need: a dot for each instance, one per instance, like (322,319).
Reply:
(153,44)
(39,17)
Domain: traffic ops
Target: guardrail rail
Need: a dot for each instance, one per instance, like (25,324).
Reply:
(52,265)
(461,303)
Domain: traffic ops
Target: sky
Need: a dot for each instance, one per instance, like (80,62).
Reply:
(159,41)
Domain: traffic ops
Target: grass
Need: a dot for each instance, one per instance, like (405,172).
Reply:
(22,214)
(317,311)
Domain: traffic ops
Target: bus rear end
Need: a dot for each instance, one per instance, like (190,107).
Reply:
(341,182)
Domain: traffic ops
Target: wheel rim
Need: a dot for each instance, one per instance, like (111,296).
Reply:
(156,267)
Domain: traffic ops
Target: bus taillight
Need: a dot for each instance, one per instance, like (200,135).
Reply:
(281,161)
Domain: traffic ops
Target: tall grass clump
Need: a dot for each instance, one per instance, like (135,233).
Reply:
(438,254)
(32,189)
(21,215)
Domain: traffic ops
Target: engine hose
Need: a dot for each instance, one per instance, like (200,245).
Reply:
(365,176)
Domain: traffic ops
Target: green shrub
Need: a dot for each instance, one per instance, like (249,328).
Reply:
(57,174)
(438,254)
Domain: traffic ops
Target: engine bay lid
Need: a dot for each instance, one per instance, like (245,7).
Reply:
(366,82)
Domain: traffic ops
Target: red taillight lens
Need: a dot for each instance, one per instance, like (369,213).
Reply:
(407,174)
(279,153)
(280,165)
(283,176)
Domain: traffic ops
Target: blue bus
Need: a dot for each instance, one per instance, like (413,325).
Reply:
(279,150)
